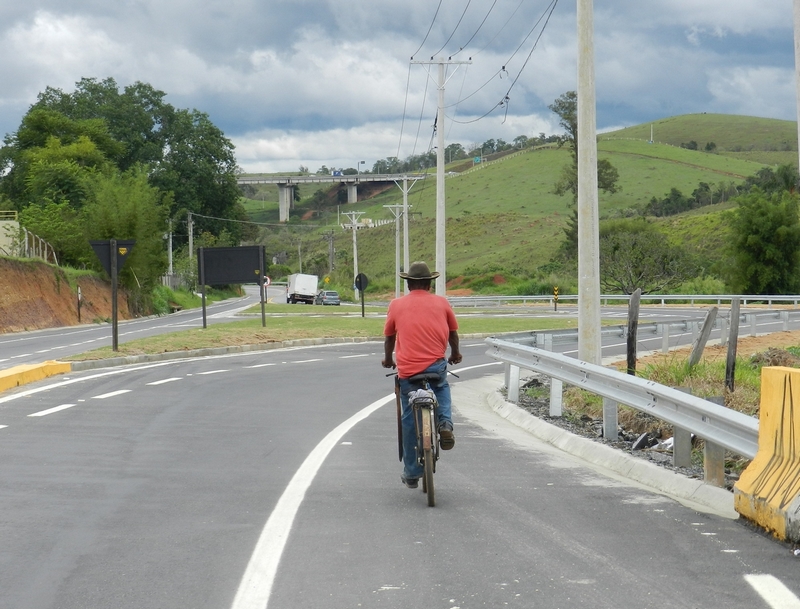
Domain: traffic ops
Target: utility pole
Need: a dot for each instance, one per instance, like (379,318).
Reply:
(797,61)
(441,258)
(190,226)
(329,238)
(405,188)
(588,217)
(169,251)
(354,216)
(397,212)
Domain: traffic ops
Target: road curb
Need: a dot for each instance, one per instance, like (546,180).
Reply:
(681,488)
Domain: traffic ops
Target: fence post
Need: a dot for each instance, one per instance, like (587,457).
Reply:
(665,338)
(785,319)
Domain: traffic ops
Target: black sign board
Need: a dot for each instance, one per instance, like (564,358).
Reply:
(102,250)
(227,265)
(113,254)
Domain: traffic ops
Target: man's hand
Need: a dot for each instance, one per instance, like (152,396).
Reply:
(455,358)
(388,363)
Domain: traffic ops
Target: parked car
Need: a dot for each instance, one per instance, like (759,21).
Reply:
(327,297)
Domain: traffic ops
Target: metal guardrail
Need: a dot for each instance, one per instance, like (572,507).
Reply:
(662,299)
(722,426)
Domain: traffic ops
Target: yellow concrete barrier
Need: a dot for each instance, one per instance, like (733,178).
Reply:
(768,492)
(28,373)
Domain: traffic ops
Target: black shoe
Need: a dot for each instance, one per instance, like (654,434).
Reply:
(410,482)
(446,438)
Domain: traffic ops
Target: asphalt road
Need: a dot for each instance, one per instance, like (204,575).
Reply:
(271,479)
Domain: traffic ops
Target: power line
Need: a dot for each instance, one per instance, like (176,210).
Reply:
(454,30)
(476,31)
(429,29)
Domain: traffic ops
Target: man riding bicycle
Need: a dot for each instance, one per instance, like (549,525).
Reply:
(418,328)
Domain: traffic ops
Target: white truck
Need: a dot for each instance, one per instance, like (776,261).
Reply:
(301,288)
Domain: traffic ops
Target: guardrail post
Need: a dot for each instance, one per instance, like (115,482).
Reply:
(723,331)
(682,442)
(556,394)
(664,338)
(513,384)
(785,319)
(610,419)
(752,324)
(714,457)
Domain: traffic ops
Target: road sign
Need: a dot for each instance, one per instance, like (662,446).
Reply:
(361,281)
(267,280)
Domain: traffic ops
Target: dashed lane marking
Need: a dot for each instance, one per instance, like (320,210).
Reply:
(169,380)
(43,413)
(111,394)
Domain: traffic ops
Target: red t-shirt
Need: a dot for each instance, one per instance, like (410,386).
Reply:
(422,322)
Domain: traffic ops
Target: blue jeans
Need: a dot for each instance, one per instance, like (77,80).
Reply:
(441,388)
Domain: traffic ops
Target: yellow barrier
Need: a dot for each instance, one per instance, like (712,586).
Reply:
(29,373)
(768,492)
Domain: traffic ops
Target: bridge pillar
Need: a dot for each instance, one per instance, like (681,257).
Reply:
(352,192)
(285,201)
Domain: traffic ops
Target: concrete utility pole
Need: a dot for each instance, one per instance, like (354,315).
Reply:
(397,212)
(328,236)
(354,216)
(588,217)
(190,226)
(441,257)
(797,61)
(405,188)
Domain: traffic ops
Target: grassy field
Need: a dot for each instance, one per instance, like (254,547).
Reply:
(504,220)
(312,323)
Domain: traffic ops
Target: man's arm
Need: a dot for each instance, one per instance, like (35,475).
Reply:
(455,354)
(388,351)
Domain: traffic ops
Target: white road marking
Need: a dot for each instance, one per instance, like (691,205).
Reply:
(772,590)
(256,585)
(307,361)
(3,426)
(169,380)
(110,395)
(352,356)
(211,372)
(260,365)
(43,413)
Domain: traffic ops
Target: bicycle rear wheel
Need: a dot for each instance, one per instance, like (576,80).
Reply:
(427,478)
(429,455)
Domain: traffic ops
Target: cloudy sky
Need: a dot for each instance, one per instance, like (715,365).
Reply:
(313,82)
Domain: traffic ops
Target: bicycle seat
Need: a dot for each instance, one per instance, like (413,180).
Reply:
(429,377)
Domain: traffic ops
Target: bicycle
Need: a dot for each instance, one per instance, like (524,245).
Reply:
(424,404)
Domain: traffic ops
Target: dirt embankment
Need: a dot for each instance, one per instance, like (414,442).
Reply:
(34,295)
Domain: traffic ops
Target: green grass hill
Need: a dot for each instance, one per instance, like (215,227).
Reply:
(505,223)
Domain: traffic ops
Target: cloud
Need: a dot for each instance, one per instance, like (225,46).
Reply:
(319,82)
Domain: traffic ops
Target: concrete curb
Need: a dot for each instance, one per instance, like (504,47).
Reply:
(675,485)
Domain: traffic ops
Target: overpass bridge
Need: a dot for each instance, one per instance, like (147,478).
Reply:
(286,185)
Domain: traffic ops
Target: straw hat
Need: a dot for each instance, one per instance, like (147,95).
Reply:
(419,270)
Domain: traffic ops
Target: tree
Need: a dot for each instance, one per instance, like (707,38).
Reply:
(566,107)
(183,151)
(765,244)
(636,255)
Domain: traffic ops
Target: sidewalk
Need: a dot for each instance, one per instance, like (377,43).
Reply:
(480,401)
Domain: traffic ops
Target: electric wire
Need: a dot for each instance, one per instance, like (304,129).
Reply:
(500,31)
(446,42)
(466,44)
(429,29)
(504,101)
(405,106)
